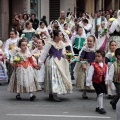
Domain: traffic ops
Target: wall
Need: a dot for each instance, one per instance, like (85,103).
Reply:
(89,6)
(5,19)
(67,4)
(18,6)
(44,7)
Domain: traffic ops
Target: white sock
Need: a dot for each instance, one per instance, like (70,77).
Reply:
(100,100)
(31,94)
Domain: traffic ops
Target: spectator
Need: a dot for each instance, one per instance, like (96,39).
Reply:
(34,21)
(44,20)
(16,23)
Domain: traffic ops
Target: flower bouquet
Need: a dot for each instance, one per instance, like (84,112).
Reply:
(17,58)
(112,58)
(69,55)
(103,32)
(36,55)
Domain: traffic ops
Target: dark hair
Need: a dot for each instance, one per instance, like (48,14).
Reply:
(85,20)
(65,24)
(22,40)
(56,33)
(78,27)
(76,19)
(56,27)
(41,22)
(15,14)
(92,37)
(27,23)
(111,42)
(37,36)
(25,15)
(13,30)
(44,17)
(101,52)
(117,52)
(33,14)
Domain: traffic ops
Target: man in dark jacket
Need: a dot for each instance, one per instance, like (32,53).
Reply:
(34,21)
(44,20)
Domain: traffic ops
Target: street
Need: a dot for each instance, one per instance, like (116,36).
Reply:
(72,107)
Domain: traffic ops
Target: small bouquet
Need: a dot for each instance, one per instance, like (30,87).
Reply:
(17,58)
(67,31)
(69,55)
(23,35)
(36,55)
(28,45)
(103,32)
(75,59)
(112,59)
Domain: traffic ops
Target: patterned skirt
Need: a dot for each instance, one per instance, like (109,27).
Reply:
(80,76)
(23,81)
(57,78)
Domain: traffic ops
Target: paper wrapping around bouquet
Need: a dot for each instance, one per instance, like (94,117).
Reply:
(12,46)
(79,42)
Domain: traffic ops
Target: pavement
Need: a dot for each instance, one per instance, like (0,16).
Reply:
(72,107)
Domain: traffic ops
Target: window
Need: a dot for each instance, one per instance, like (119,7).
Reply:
(34,7)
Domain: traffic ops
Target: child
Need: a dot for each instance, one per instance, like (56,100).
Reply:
(28,31)
(23,77)
(37,53)
(57,78)
(34,42)
(98,74)
(62,21)
(10,50)
(66,29)
(78,40)
(102,37)
(115,76)
(109,59)
(87,56)
(11,44)
(3,70)
(42,28)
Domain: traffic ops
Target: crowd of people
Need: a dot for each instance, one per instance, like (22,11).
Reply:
(86,49)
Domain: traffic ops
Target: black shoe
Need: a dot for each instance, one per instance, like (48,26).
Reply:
(110,97)
(113,105)
(84,97)
(18,97)
(102,111)
(51,96)
(32,98)
(97,109)
(55,98)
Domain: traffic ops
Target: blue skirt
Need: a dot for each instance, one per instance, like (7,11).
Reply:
(3,74)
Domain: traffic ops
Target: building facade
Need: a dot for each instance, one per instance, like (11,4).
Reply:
(50,8)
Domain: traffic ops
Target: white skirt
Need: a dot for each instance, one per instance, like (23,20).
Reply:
(40,74)
(23,80)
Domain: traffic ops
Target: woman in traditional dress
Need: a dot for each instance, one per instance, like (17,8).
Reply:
(57,78)
(114,30)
